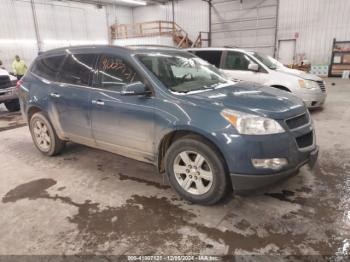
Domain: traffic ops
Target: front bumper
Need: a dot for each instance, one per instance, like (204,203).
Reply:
(245,183)
(8,94)
(313,99)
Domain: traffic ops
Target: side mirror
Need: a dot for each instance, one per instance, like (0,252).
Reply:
(135,89)
(253,67)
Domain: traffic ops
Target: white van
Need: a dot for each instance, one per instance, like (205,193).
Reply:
(241,65)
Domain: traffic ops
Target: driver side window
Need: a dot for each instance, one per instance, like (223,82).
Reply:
(114,73)
(237,61)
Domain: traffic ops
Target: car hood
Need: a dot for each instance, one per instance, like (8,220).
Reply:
(3,72)
(299,73)
(252,98)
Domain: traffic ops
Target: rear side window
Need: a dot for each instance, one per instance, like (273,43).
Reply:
(48,67)
(237,61)
(78,69)
(212,57)
(114,73)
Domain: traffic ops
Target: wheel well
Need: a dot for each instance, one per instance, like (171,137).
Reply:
(170,138)
(32,111)
(281,88)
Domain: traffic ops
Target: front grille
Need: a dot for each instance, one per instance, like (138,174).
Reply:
(298,121)
(5,82)
(305,140)
(322,86)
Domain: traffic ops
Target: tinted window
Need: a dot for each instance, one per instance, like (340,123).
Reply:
(213,57)
(48,67)
(113,72)
(77,69)
(237,61)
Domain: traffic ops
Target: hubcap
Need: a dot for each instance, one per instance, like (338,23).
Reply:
(193,172)
(41,135)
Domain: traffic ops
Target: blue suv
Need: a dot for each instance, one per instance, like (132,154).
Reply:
(170,108)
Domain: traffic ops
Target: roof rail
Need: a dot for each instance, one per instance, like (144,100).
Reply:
(163,46)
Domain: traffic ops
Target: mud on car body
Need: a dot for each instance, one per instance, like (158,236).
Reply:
(170,108)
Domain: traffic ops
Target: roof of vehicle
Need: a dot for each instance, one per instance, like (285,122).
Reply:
(123,49)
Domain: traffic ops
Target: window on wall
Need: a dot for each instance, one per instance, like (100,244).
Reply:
(78,69)
(114,73)
(237,61)
(48,67)
(212,57)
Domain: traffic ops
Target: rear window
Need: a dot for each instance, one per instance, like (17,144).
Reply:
(48,67)
(77,69)
(212,57)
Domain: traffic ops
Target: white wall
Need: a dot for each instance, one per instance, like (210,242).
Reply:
(317,22)
(119,15)
(17,36)
(60,24)
(63,23)
(155,40)
(191,15)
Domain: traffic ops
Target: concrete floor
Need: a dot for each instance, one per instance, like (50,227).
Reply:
(89,201)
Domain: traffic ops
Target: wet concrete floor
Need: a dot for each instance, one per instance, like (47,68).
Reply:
(87,201)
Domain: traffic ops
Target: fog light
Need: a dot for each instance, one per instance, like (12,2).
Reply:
(271,163)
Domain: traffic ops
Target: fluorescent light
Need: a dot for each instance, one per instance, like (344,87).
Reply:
(135,2)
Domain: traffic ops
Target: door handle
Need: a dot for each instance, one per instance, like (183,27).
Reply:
(55,95)
(97,102)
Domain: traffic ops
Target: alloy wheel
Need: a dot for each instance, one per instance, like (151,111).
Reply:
(42,136)
(193,172)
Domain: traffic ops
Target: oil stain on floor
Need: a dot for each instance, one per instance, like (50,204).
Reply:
(157,222)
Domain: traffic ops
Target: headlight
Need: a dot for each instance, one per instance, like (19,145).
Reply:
(248,124)
(308,84)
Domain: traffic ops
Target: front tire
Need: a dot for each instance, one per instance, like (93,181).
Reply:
(196,171)
(44,135)
(13,105)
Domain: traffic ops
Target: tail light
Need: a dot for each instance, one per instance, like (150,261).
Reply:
(19,83)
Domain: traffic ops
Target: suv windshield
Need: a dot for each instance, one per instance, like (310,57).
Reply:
(182,72)
(266,60)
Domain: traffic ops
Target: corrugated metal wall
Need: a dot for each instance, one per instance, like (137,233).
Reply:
(249,24)
(59,23)
(191,15)
(17,36)
(154,40)
(316,23)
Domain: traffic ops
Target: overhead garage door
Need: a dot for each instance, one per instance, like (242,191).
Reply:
(249,24)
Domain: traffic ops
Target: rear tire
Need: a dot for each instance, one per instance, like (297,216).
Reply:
(13,105)
(44,135)
(196,171)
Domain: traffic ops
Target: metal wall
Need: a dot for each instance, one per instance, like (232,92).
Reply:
(59,24)
(313,24)
(191,15)
(249,24)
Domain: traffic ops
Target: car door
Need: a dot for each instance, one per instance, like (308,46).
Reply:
(70,97)
(235,65)
(121,124)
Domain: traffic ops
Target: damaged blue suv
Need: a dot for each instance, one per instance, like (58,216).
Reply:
(170,108)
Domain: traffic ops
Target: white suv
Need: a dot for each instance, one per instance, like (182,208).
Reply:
(241,65)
